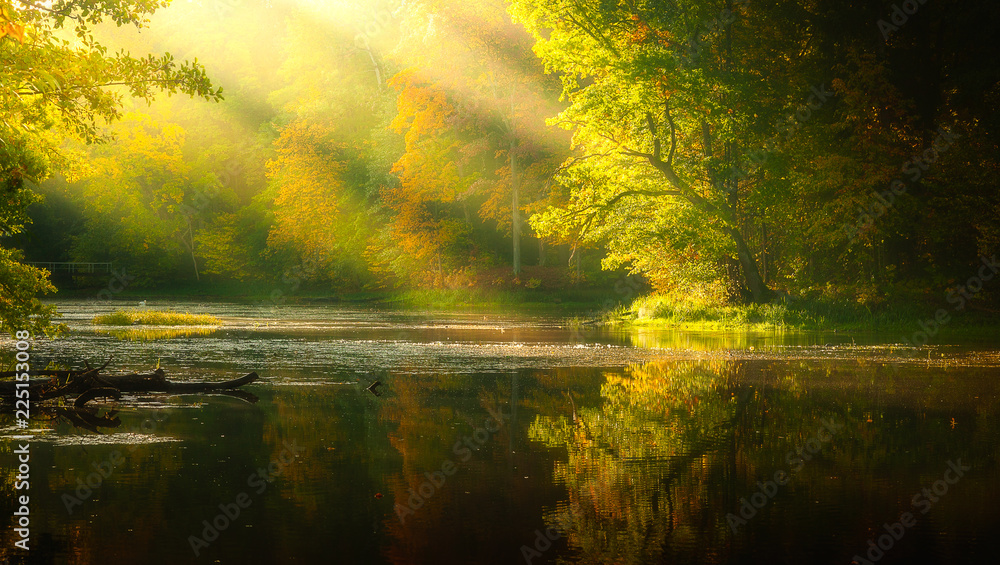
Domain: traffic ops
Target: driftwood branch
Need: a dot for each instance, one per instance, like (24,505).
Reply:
(85,417)
(89,384)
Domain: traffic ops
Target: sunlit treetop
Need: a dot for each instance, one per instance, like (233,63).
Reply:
(52,70)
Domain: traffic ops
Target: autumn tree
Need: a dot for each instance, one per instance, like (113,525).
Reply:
(711,134)
(646,93)
(470,108)
(324,179)
(52,86)
(143,199)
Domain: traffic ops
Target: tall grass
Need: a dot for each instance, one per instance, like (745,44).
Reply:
(801,314)
(155,318)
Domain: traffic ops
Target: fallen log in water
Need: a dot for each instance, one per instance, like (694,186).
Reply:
(88,384)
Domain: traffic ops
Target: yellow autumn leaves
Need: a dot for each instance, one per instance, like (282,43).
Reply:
(9,29)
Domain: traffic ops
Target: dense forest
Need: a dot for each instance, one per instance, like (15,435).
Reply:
(726,151)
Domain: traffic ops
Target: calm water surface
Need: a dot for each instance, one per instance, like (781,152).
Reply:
(501,439)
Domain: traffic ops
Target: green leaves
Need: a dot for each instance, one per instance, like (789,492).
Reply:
(79,82)
(52,88)
(20,309)
(659,115)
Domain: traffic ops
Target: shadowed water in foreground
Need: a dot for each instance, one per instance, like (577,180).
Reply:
(512,440)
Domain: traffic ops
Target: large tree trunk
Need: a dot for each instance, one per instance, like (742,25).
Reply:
(515,213)
(724,212)
(190,245)
(751,274)
(371,55)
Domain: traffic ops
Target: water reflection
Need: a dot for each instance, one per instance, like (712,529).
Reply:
(477,447)
(665,467)
(153,334)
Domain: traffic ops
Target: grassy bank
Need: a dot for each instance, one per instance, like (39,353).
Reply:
(659,311)
(589,305)
(493,299)
(154,318)
(572,300)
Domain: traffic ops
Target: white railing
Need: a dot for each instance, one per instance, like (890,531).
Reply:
(73,267)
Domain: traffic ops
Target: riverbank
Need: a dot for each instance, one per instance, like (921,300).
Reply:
(585,302)
(594,307)
(906,318)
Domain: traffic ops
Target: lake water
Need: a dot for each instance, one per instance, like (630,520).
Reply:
(505,439)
